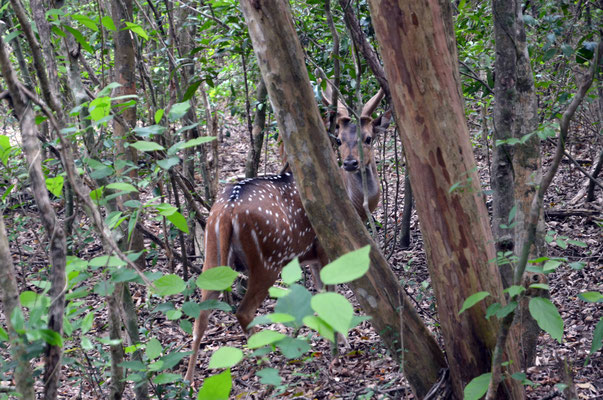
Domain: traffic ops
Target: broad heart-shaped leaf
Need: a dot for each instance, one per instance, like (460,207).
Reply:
(143,145)
(269,376)
(320,326)
(477,387)
(179,221)
(293,347)
(216,387)
(55,185)
(153,349)
(546,315)
(295,303)
(292,272)
(473,300)
(347,267)
(335,310)
(263,338)
(178,110)
(168,285)
(218,278)
(225,357)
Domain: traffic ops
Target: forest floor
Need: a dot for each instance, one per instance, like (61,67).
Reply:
(365,370)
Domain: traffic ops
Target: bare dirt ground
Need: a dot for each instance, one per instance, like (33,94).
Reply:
(365,370)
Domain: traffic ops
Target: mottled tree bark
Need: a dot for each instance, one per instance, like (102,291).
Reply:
(319,182)
(458,239)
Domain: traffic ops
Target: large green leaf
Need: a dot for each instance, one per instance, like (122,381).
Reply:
(264,338)
(143,145)
(477,388)
(473,300)
(546,315)
(179,221)
(292,272)
(168,285)
(334,309)
(346,268)
(218,278)
(216,387)
(225,357)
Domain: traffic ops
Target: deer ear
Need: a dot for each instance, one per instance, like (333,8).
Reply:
(382,122)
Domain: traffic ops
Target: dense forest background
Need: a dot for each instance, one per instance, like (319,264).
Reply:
(122,121)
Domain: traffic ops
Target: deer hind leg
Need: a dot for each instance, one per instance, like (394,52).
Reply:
(257,291)
(198,332)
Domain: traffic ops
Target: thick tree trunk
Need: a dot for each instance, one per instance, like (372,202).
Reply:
(319,182)
(454,221)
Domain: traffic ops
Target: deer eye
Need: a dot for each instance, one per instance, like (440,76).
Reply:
(368,140)
(338,141)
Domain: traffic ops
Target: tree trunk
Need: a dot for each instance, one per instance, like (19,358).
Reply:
(515,115)
(318,180)
(454,221)
(9,294)
(259,121)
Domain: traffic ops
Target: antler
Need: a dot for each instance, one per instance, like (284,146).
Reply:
(342,110)
(372,104)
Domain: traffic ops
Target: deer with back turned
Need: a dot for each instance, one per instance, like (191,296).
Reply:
(259,224)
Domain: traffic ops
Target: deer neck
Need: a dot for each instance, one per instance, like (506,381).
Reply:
(353,184)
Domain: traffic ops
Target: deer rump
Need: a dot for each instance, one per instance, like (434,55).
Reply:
(259,223)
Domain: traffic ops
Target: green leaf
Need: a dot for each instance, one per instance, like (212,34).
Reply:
(225,357)
(86,343)
(51,337)
(473,300)
(122,187)
(169,285)
(168,163)
(293,347)
(346,268)
(143,145)
(31,299)
(178,110)
(87,322)
(334,309)
(179,221)
(86,21)
(551,265)
(546,315)
(264,338)
(153,349)
(477,388)
(137,29)
(296,303)
(55,185)
(320,326)
(100,108)
(3,335)
(269,376)
(597,338)
(173,315)
(218,278)
(514,290)
(542,286)
(79,38)
(216,387)
(107,22)
(158,115)
(149,130)
(197,141)
(109,261)
(166,378)
(591,297)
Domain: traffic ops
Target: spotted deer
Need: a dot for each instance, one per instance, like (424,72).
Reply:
(260,224)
